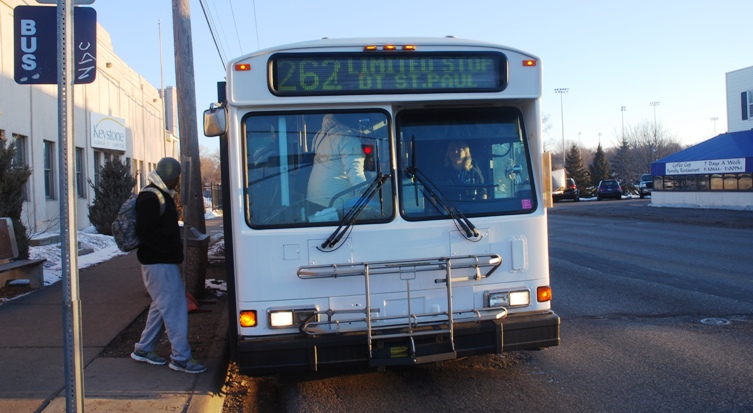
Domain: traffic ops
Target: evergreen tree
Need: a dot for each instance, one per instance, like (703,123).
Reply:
(600,168)
(13,179)
(115,186)
(576,170)
(622,165)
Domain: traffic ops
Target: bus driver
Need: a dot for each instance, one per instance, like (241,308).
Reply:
(462,176)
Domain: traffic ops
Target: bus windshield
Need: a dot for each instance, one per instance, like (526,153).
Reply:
(312,168)
(476,160)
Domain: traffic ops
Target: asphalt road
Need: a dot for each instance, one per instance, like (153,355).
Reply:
(657,315)
(656,307)
(643,210)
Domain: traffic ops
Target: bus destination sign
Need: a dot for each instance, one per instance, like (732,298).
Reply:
(380,73)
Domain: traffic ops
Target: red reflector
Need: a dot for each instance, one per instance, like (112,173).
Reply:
(368,149)
(242,67)
(529,62)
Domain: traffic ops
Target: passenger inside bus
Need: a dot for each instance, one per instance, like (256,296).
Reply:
(462,179)
(338,164)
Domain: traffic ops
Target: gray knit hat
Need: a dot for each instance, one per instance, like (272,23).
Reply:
(168,169)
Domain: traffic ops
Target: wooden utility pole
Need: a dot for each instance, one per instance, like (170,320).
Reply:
(189,139)
(191,195)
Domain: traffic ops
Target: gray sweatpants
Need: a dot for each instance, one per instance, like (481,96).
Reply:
(168,312)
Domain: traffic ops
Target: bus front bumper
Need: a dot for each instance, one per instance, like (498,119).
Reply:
(267,355)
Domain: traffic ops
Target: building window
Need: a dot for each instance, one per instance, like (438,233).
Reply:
(134,169)
(749,106)
(702,182)
(658,182)
(746,182)
(717,182)
(680,183)
(142,174)
(730,182)
(80,173)
(20,160)
(97,167)
(49,169)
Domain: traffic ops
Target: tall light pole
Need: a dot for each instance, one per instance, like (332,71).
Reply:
(714,119)
(561,91)
(654,104)
(623,109)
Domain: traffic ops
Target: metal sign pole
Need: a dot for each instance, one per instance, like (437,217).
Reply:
(74,370)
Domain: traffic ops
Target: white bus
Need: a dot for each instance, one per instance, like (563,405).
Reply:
(383,203)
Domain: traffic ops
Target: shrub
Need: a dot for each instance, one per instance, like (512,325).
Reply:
(115,186)
(12,183)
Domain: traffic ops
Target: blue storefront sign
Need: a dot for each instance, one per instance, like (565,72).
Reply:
(36,44)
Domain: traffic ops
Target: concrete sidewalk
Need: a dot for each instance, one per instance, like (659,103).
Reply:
(32,371)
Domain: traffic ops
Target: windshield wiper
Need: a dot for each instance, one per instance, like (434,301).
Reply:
(350,218)
(431,191)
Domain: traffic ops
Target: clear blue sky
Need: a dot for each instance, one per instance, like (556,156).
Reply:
(608,54)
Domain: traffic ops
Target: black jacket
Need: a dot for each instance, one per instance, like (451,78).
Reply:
(159,235)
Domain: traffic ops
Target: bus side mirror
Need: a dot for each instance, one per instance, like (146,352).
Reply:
(215,120)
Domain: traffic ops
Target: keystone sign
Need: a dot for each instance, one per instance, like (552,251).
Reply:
(36,45)
(108,132)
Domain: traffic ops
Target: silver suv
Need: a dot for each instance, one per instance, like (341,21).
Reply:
(646,185)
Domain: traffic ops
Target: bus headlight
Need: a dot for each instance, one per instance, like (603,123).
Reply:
(286,318)
(498,299)
(281,319)
(517,298)
(520,298)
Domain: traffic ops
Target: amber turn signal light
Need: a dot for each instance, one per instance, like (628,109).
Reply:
(248,318)
(544,294)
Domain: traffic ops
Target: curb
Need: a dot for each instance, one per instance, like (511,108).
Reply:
(207,393)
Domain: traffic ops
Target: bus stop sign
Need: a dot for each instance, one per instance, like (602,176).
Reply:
(36,45)
(56,1)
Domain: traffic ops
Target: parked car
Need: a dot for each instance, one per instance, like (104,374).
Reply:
(608,188)
(646,185)
(569,191)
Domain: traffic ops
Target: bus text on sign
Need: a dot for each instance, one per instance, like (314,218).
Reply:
(36,45)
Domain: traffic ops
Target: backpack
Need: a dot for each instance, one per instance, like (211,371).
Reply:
(124,226)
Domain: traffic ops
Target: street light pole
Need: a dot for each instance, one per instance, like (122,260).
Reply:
(623,109)
(714,119)
(561,91)
(654,104)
